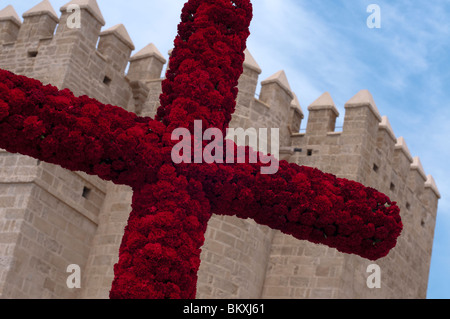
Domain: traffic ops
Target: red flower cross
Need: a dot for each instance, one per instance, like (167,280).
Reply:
(160,253)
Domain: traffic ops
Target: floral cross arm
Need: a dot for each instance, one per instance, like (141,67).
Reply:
(77,133)
(305,203)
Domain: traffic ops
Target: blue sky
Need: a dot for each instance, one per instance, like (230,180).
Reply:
(325,45)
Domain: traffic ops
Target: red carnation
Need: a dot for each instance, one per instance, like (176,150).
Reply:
(4,110)
(90,110)
(93,151)
(58,102)
(49,147)
(102,170)
(33,127)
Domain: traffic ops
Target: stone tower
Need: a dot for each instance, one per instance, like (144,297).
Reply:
(51,218)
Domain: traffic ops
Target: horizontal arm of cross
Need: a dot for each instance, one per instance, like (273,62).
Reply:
(77,133)
(305,203)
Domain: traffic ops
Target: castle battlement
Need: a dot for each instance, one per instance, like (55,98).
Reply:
(9,25)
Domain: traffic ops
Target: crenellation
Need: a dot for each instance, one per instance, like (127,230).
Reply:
(380,164)
(431,184)
(417,177)
(385,145)
(402,158)
(38,23)
(417,166)
(44,7)
(86,32)
(322,116)
(147,64)
(362,119)
(36,29)
(385,125)
(430,201)
(144,76)
(276,91)
(361,125)
(90,6)
(251,63)
(273,108)
(9,25)
(363,99)
(150,107)
(247,86)
(116,44)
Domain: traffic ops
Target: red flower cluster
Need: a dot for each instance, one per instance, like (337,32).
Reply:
(201,83)
(305,203)
(160,252)
(78,133)
(206,64)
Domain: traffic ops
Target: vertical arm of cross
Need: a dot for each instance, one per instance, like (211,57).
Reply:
(205,65)
(160,250)
(79,134)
